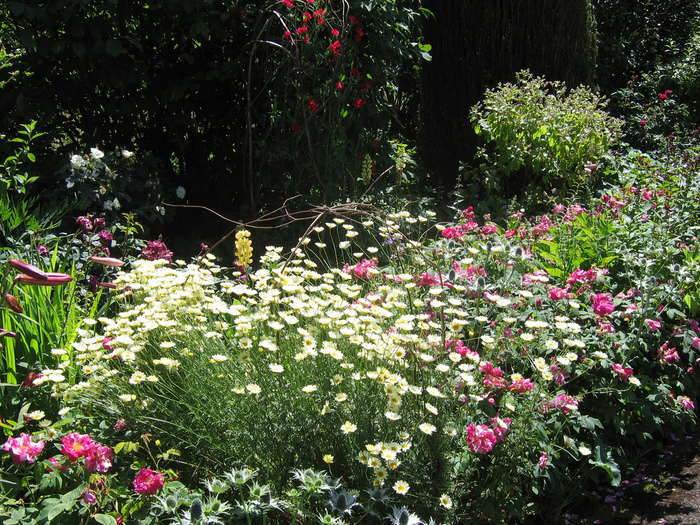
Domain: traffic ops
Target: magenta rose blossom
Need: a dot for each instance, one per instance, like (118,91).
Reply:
(602,304)
(148,481)
(23,449)
(76,446)
(625,372)
(480,438)
(99,458)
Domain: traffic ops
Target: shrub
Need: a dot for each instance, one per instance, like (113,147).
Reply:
(113,183)
(541,132)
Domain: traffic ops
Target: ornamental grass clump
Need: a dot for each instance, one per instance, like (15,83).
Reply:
(458,368)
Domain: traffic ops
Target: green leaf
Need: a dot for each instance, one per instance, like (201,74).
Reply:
(55,510)
(603,459)
(114,47)
(691,302)
(79,49)
(590,423)
(105,519)
(555,272)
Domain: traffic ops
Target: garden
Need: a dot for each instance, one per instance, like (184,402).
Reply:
(236,290)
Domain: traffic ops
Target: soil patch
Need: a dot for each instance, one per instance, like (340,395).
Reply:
(664,491)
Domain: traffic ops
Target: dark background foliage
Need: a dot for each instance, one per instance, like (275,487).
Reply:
(636,36)
(207,89)
(164,78)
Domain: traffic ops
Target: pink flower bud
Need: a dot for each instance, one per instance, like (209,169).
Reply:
(52,279)
(13,304)
(89,497)
(27,268)
(107,261)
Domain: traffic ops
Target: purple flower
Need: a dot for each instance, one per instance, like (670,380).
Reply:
(85,223)
(105,236)
(156,250)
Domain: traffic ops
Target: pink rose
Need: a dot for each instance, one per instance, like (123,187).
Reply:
(23,449)
(653,325)
(624,372)
(602,304)
(76,446)
(480,438)
(99,458)
(148,481)
(686,402)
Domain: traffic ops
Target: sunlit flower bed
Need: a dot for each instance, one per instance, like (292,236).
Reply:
(459,377)
(454,372)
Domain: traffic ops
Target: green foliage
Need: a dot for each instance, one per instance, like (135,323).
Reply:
(217,92)
(113,182)
(652,122)
(581,243)
(542,132)
(14,176)
(636,37)
(660,106)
